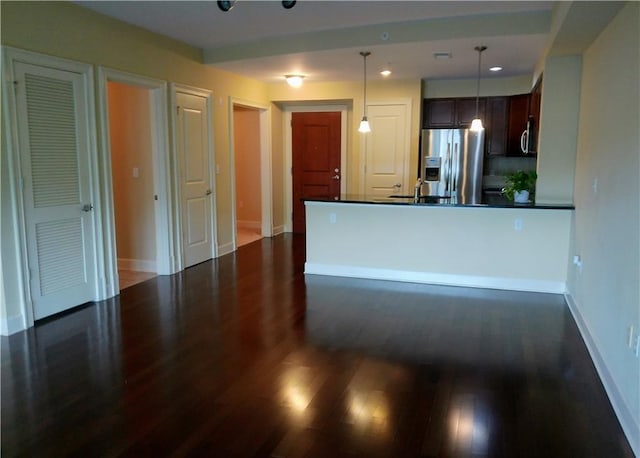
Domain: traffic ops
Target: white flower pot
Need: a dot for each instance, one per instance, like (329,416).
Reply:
(521,197)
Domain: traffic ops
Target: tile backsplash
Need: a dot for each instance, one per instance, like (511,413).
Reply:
(500,165)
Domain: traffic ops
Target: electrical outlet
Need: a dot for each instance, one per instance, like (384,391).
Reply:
(517,224)
(637,349)
(332,218)
(595,185)
(577,261)
(630,334)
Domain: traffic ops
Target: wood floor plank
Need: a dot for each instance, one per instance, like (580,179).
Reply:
(245,356)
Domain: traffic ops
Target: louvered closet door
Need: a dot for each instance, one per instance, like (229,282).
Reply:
(53,142)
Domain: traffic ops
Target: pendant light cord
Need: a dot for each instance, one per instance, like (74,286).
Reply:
(479,49)
(364,54)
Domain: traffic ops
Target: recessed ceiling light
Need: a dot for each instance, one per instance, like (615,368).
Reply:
(442,55)
(385,72)
(495,69)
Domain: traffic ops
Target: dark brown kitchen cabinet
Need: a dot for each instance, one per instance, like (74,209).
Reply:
(466,111)
(495,125)
(450,113)
(518,117)
(438,113)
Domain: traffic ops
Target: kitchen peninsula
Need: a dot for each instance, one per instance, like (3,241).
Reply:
(524,248)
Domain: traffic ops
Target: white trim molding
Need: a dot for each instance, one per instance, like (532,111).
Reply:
(137,265)
(225,249)
(629,425)
(470,281)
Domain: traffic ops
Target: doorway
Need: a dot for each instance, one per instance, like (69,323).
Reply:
(316,160)
(150,111)
(251,170)
(289,171)
(132,182)
(247,170)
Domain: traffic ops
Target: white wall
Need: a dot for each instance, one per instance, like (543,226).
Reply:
(606,294)
(478,247)
(492,86)
(558,129)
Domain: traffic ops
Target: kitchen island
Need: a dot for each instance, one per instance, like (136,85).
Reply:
(515,247)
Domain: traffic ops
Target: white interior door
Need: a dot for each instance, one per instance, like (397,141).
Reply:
(54,153)
(195,174)
(387,150)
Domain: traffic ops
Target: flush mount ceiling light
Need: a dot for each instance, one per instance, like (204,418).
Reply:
(386,71)
(227,5)
(495,69)
(476,124)
(364,124)
(294,80)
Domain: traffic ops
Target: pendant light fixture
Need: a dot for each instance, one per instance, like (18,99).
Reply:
(476,124)
(364,124)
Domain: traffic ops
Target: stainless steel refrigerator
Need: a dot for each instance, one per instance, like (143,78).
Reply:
(451,165)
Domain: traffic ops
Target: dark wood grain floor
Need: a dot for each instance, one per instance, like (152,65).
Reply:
(245,357)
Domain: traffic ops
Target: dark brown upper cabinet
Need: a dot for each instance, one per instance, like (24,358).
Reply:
(518,116)
(450,113)
(438,113)
(495,124)
(466,111)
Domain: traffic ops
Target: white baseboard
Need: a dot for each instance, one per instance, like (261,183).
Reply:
(630,426)
(471,281)
(225,249)
(249,224)
(11,325)
(137,265)
(277,230)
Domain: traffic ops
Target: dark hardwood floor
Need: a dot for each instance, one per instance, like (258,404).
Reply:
(245,357)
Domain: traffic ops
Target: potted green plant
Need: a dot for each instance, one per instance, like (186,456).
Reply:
(519,185)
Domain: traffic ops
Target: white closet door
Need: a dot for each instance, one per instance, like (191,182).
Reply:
(195,174)
(54,152)
(387,151)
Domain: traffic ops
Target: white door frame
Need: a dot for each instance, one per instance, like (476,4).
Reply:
(406,102)
(288,148)
(20,290)
(165,258)
(177,175)
(266,190)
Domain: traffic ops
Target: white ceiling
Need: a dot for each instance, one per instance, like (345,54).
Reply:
(322,39)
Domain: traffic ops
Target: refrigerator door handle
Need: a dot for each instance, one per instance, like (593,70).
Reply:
(454,166)
(447,168)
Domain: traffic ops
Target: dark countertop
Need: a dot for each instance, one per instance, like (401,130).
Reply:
(434,202)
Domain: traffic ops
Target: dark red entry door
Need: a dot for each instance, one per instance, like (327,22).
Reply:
(316,160)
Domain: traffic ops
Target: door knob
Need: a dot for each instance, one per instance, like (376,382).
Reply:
(335,177)
(397,185)
(208,192)
(87,207)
